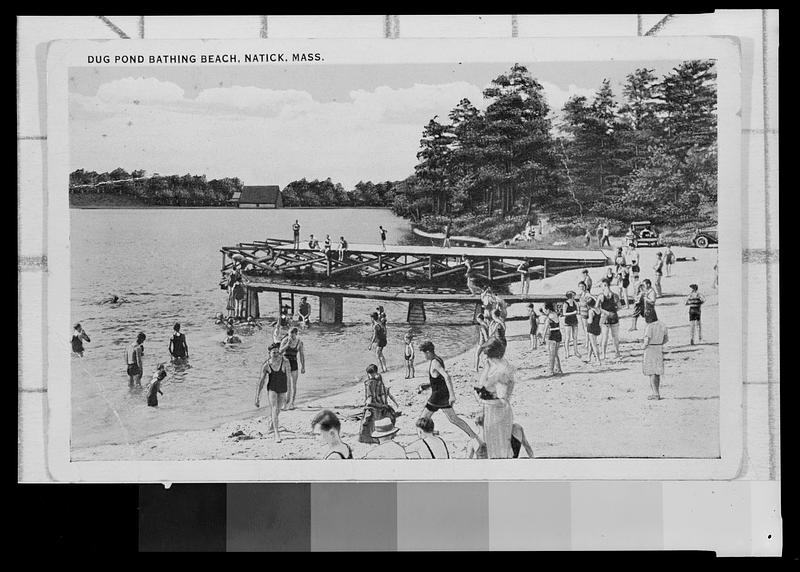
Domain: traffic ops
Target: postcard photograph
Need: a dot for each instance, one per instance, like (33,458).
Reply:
(430,259)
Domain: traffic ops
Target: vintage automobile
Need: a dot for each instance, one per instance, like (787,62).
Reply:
(704,237)
(642,233)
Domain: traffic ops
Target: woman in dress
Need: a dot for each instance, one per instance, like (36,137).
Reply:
(570,312)
(494,392)
(655,336)
(275,371)
(552,333)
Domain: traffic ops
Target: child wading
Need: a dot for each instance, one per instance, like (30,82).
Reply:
(154,387)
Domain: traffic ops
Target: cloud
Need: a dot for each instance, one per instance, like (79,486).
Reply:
(140,91)
(557,96)
(253,100)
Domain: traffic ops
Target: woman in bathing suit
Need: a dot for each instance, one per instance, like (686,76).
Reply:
(292,347)
(609,304)
(326,426)
(570,312)
(275,371)
(428,446)
(552,333)
(694,300)
(593,330)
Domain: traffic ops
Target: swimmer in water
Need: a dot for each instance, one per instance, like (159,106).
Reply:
(231,338)
(219,319)
(113,299)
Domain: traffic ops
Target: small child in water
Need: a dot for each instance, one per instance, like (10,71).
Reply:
(154,387)
(232,338)
(409,354)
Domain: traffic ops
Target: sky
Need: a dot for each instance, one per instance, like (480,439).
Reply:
(272,125)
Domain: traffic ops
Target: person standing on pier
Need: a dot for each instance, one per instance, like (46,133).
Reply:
(383,237)
(524,270)
(378,340)
(134,359)
(443,394)
(342,248)
(275,371)
(78,337)
(292,348)
(296,231)
(326,248)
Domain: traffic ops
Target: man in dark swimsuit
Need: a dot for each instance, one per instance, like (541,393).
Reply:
(443,394)
(178,348)
(296,230)
(383,237)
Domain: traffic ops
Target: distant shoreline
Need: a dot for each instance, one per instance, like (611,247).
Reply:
(144,207)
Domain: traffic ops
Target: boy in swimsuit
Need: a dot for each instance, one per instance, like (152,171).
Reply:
(134,358)
(443,394)
(326,426)
(154,387)
(409,354)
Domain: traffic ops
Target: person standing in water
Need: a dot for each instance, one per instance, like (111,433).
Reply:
(275,371)
(443,394)
(304,312)
(178,348)
(378,340)
(134,359)
(292,348)
(78,337)
(694,300)
(296,232)
(154,387)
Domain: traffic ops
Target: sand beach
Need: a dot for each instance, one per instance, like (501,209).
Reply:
(589,412)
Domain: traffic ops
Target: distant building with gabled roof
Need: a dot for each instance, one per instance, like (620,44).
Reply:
(258,197)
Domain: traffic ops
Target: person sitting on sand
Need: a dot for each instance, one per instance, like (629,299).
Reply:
(78,337)
(387,448)
(231,337)
(655,336)
(275,371)
(409,354)
(428,446)
(178,348)
(327,427)
(153,389)
(518,441)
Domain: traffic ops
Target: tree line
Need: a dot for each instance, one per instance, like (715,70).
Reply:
(651,154)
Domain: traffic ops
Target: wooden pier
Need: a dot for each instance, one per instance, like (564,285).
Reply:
(413,274)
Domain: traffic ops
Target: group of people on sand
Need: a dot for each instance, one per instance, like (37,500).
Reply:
(495,434)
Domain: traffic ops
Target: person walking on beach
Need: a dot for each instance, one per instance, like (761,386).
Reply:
(493,391)
(153,389)
(658,267)
(606,237)
(296,232)
(524,269)
(609,306)
(694,300)
(669,260)
(388,448)
(428,446)
(376,403)
(638,307)
(78,337)
(378,340)
(178,348)
(533,320)
(292,348)
(655,336)
(342,248)
(134,360)
(443,394)
(409,354)
(570,312)
(446,243)
(327,427)
(552,332)
(275,371)
(497,329)
(483,336)
(587,280)
(593,330)
(383,237)
(304,312)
